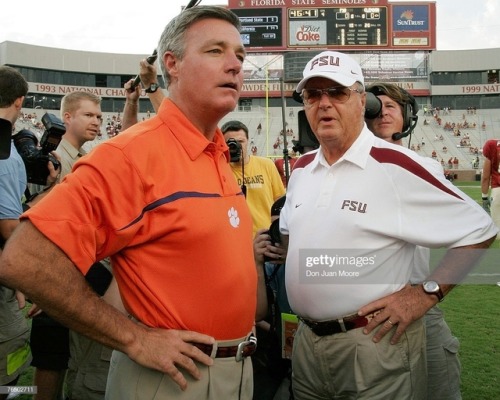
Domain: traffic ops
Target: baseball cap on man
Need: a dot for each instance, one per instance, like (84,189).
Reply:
(338,67)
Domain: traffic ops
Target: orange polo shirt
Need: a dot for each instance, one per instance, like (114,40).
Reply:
(161,200)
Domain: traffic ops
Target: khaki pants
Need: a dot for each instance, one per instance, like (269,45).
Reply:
(443,365)
(350,366)
(226,379)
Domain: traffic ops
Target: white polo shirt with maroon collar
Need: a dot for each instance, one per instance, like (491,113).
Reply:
(353,226)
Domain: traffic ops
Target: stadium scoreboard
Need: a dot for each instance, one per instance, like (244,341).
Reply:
(354,26)
(280,25)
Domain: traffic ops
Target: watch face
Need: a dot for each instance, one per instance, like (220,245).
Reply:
(431,287)
(153,88)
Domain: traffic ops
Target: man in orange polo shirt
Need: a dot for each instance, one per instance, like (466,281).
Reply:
(161,201)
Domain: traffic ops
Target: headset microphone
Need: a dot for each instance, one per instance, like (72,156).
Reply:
(410,118)
(400,135)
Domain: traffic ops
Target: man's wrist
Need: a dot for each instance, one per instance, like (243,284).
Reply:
(484,196)
(152,88)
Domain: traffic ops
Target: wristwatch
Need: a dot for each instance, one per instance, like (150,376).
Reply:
(432,287)
(153,88)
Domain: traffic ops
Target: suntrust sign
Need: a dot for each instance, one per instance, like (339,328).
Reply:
(410,18)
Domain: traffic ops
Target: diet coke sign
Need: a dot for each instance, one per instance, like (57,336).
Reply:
(307,33)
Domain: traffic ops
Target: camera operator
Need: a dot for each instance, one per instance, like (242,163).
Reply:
(257,175)
(14,331)
(262,185)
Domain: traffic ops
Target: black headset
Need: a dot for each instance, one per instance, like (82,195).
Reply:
(410,110)
(410,117)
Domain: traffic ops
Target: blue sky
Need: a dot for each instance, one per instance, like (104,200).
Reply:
(117,26)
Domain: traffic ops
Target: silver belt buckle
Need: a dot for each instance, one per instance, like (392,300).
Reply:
(252,341)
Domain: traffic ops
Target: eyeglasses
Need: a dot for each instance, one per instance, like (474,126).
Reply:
(338,94)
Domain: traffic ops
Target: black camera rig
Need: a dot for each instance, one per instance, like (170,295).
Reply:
(36,157)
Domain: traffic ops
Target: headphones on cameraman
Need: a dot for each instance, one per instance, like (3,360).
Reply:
(410,117)
(410,108)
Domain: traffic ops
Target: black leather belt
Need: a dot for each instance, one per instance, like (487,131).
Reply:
(242,350)
(331,327)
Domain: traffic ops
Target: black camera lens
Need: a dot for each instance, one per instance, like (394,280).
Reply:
(26,143)
(234,149)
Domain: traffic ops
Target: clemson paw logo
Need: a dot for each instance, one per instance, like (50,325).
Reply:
(234,220)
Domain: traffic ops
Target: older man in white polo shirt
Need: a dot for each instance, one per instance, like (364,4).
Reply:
(355,210)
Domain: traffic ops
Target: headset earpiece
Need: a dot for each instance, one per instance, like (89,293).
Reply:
(410,117)
(410,110)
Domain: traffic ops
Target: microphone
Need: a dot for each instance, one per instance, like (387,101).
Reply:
(400,135)
(192,3)
(151,59)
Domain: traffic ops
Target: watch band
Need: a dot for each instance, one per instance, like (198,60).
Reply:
(152,88)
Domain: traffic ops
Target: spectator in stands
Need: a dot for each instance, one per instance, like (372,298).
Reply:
(491,179)
(162,172)
(257,175)
(443,365)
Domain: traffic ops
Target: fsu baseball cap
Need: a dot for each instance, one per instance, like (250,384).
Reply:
(338,67)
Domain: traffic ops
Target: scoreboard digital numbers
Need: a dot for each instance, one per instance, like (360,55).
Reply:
(354,26)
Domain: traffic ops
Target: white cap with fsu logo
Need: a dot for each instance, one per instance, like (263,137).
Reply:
(338,67)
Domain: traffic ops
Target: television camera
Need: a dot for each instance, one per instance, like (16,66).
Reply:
(36,156)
